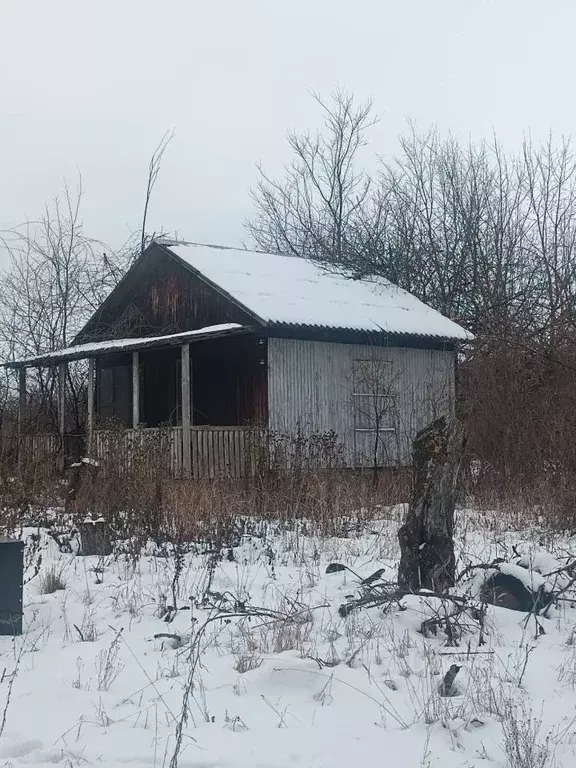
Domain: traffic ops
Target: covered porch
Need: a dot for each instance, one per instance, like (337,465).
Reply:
(198,399)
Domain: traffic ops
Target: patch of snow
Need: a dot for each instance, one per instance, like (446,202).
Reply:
(530,579)
(330,692)
(540,561)
(478,580)
(91,462)
(89,349)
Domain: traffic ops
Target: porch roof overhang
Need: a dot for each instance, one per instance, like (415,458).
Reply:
(97,348)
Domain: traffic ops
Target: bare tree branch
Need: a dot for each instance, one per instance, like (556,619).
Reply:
(153,171)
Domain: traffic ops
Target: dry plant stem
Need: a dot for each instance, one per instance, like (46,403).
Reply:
(194,658)
(378,596)
(9,690)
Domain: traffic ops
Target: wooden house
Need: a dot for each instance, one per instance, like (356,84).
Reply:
(215,344)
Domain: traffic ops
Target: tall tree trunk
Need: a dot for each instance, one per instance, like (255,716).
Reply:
(427,537)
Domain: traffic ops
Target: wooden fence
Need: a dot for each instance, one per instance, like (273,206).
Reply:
(216,451)
(231,452)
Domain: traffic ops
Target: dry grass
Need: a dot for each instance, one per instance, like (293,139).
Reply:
(524,743)
(144,501)
(518,400)
(51,581)
(140,499)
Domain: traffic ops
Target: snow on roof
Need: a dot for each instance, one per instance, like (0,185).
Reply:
(91,349)
(296,291)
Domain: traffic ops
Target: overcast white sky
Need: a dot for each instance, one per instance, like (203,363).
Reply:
(92,85)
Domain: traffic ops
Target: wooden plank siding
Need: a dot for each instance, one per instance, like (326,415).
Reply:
(159,296)
(311,390)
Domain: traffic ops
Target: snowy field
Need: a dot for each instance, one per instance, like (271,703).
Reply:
(257,668)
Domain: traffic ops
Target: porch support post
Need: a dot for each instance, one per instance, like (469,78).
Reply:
(135,390)
(91,383)
(21,411)
(186,411)
(62,371)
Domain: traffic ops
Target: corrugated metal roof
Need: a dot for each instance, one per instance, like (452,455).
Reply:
(295,291)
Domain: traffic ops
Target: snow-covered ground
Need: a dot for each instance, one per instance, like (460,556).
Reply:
(88,683)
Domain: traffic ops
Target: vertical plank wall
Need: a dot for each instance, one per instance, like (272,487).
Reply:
(310,387)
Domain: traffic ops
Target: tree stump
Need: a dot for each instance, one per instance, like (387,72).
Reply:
(95,538)
(81,475)
(427,537)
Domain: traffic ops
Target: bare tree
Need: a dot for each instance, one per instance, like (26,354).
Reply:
(318,209)
(56,277)
(484,236)
(550,182)
(457,230)
(153,171)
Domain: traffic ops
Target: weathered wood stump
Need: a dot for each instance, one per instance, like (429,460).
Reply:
(427,537)
(95,538)
(81,474)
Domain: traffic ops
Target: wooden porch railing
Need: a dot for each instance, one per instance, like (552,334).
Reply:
(232,452)
(41,446)
(215,451)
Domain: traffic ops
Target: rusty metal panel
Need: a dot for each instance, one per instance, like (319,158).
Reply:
(311,388)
